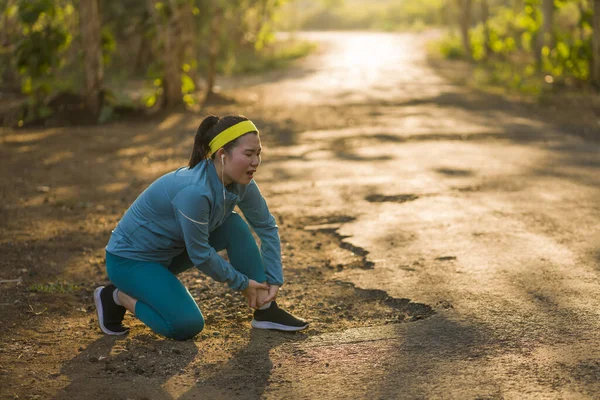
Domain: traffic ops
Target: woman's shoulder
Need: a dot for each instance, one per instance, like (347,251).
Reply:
(187,181)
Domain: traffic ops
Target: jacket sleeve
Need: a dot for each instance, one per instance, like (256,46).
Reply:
(192,211)
(255,209)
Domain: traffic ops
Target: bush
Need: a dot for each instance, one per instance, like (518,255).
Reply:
(451,48)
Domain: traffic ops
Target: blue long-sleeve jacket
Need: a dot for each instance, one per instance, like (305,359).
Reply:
(178,211)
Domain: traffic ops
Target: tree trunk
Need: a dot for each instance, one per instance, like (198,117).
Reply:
(89,23)
(145,50)
(213,50)
(595,67)
(190,48)
(518,6)
(11,79)
(544,37)
(168,29)
(465,24)
(485,15)
(172,58)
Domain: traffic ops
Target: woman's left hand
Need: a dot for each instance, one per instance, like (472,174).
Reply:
(272,294)
(251,292)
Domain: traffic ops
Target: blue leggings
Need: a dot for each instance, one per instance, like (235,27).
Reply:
(163,303)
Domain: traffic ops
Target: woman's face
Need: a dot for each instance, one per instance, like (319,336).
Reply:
(243,161)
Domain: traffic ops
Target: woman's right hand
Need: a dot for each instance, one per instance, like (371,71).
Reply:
(251,292)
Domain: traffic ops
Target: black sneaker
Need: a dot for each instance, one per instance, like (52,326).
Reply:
(276,318)
(110,314)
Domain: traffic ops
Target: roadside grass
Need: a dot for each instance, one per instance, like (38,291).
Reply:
(380,15)
(278,55)
(55,287)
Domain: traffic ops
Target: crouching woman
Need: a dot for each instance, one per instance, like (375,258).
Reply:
(181,221)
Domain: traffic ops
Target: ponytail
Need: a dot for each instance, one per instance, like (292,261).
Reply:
(202,139)
(210,127)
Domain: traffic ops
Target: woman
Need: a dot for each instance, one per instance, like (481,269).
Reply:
(182,220)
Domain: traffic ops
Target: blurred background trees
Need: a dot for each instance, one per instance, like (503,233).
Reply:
(530,45)
(99,57)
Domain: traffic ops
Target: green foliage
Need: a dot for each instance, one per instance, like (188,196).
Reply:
(508,52)
(109,44)
(568,60)
(452,48)
(30,11)
(41,41)
(106,114)
(39,50)
(187,86)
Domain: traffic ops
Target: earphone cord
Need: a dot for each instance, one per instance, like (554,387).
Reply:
(223,183)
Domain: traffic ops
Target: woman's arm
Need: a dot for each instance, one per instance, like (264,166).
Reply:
(192,211)
(255,209)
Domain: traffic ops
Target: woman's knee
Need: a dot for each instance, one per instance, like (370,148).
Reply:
(187,326)
(236,223)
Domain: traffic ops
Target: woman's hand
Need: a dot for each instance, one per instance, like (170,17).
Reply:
(272,294)
(251,292)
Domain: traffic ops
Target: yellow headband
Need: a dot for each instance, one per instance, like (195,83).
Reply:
(231,133)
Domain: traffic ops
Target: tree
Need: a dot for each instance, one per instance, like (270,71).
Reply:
(89,24)
(595,61)
(213,49)
(465,24)
(9,76)
(485,15)
(189,40)
(544,37)
(167,16)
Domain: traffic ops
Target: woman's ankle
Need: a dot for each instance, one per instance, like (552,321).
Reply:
(126,301)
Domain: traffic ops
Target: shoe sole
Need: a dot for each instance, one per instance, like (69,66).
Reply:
(273,325)
(100,311)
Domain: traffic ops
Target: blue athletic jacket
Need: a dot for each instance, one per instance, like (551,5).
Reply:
(179,210)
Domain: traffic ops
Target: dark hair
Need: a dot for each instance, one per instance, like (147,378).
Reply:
(210,127)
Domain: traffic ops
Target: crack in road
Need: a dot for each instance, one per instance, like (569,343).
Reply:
(406,309)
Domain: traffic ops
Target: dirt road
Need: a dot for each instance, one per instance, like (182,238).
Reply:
(443,243)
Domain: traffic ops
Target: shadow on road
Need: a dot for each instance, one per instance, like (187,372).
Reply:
(118,368)
(247,373)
